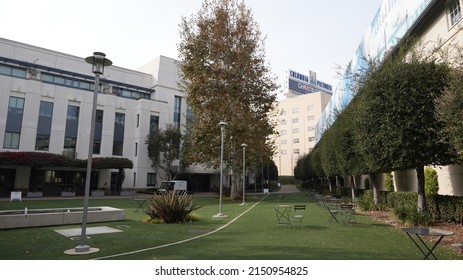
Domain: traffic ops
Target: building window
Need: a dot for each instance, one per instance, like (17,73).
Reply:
(295,130)
(177,110)
(296,141)
(284,152)
(283,112)
(310,118)
(136,149)
(309,107)
(69,149)
(154,124)
(42,139)
(295,120)
(311,128)
(455,12)
(42,142)
(296,151)
(284,132)
(118,142)
(73,113)
(12,71)
(98,132)
(13,123)
(138,120)
(295,110)
(283,122)
(134,179)
(284,142)
(11,140)
(151,179)
(311,139)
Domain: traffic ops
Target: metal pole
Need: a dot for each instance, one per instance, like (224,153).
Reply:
(244,172)
(82,247)
(222,128)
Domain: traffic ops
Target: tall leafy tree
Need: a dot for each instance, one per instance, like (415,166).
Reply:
(163,149)
(397,127)
(227,79)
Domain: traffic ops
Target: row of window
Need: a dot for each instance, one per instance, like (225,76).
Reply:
(74,82)
(296,141)
(296,130)
(42,143)
(454,12)
(296,120)
(296,110)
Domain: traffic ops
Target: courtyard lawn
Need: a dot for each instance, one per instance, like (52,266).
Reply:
(254,235)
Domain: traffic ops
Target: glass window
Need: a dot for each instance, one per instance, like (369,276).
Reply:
(120,119)
(296,151)
(311,128)
(295,110)
(42,142)
(11,140)
(117,148)
(311,139)
(296,140)
(96,147)
(46,109)
(151,179)
(310,118)
(310,107)
(73,112)
(177,110)
(46,77)
(455,12)
(69,149)
(283,132)
(295,130)
(154,123)
(99,116)
(6,70)
(296,120)
(136,149)
(16,104)
(284,142)
(17,72)
(284,152)
(283,122)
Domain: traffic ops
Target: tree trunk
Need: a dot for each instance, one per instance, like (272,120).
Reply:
(234,195)
(352,187)
(375,187)
(420,191)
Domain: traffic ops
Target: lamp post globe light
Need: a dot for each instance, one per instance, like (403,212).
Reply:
(222,125)
(244,172)
(98,62)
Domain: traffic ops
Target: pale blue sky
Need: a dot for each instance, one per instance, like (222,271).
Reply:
(301,34)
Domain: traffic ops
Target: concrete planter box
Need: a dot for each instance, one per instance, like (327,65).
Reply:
(57,216)
(34,194)
(127,193)
(97,193)
(66,194)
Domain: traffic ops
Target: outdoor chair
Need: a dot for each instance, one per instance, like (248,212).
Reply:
(298,216)
(334,210)
(347,213)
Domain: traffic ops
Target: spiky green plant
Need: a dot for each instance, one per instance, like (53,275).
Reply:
(172,207)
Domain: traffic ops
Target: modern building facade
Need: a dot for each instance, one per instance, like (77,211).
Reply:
(436,24)
(45,106)
(297,116)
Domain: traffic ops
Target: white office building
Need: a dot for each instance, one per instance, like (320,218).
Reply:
(298,115)
(46,104)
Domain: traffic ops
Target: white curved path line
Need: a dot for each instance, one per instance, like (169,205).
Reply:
(185,240)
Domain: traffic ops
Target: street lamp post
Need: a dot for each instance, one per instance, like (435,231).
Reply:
(98,62)
(222,131)
(244,171)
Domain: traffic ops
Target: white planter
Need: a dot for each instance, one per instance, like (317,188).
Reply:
(34,194)
(97,193)
(64,193)
(127,193)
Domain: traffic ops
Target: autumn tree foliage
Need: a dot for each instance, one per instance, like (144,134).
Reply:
(227,79)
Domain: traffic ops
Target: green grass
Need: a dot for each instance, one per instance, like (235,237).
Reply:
(253,236)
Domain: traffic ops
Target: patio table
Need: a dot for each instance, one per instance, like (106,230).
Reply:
(419,232)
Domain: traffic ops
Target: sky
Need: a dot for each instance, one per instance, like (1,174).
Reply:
(301,35)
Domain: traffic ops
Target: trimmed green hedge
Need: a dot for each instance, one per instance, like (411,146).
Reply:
(445,208)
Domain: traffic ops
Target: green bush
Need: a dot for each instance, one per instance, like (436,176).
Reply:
(172,208)
(409,215)
(388,182)
(366,201)
(431,183)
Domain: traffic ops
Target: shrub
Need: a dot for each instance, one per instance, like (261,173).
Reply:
(388,182)
(431,183)
(172,208)
(366,201)
(410,216)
